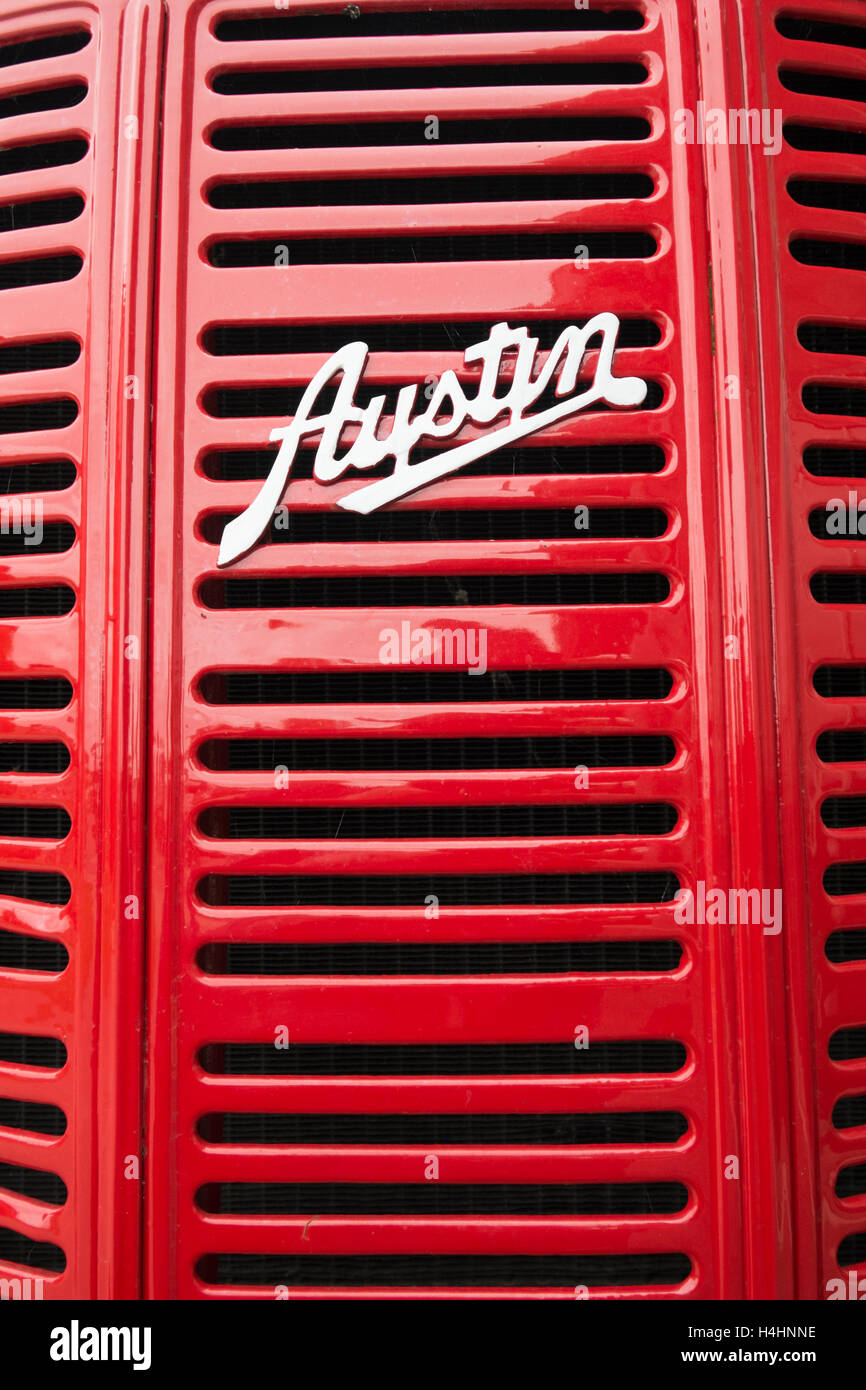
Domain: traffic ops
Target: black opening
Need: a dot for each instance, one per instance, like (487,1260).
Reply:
(468,187)
(430,590)
(567,130)
(352,23)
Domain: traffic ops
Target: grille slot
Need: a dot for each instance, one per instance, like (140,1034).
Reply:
(843,338)
(824,462)
(565,130)
(32,1116)
(39,356)
(261,81)
(226,464)
(430,590)
(843,880)
(43,99)
(850,1112)
(839,586)
(406,754)
(843,947)
(350,23)
(441,1199)
(50,154)
(35,822)
(31,1050)
(852,1250)
(844,255)
(46,46)
(33,1182)
(848,1044)
(40,212)
(19,532)
(34,886)
(823,84)
(45,601)
(28,416)
(830,139)
(841,194)
(313,528)
(842,746)
(576,186)
(34,1254)
(439,958)
(831,523)
(41,692)
(20,952)
(639,1056)
(797,26)
(837,812)
(38,758)
(438,1271)
(254,339)
(287,890)
(428,822)
(394,250)
(428,686)
(634,1127)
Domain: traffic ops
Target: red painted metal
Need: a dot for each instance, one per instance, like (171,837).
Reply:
(94,1006)
(696,1005)
(740,633)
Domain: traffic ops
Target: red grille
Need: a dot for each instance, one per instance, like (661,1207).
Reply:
(306,906)
(70,461)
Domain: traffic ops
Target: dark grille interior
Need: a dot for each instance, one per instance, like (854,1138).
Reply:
(34,886)
(39,758)
(34,1254)
(437,754)
(46,46)
(392,250)
(634,1056)
(823,462)
(442,1199)
(352,23)
(313,528)
(844,880)
(830,139)
(260,81)
(243,339)
(574,186)
(41,692)
(37,415)
(432,1271)
(850,1112)
(429,590)
(833,337)
(844,195)
(832,523)
(20,952)
(42,99)
(287,890)
(31,1050)
(844,946)
(45,601)
(844,255)
(848,1044)
(851,1182)
(40,212)
(51,154)
(566,130)
(410,822)
(636,1127)
(33,1182)
(823,84)
(19,533)
(31,1115)
(852,1250)
(428,686)
(438,958)
(840,682)
(36,822)
(841,586)
(799,26)
(226,465)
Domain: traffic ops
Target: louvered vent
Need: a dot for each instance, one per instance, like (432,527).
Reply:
(435,1025)
(45,132)
(818,74)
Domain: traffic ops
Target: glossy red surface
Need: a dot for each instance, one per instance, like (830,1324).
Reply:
(755,1012)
